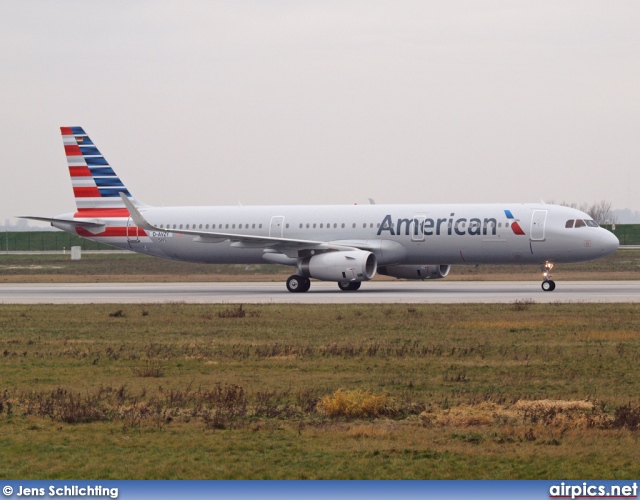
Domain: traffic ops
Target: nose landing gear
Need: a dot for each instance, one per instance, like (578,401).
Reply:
(548,285)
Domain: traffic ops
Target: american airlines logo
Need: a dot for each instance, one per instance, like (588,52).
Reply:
(447,225)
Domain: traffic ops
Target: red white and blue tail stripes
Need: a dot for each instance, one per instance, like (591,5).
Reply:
(96,186)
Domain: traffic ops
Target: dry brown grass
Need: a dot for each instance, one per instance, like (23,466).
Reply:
(541,414)
(368,431)
(355,404)
(465,415)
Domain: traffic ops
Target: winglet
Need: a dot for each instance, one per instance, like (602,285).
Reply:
(137,217)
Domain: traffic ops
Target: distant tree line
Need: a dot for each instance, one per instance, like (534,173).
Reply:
(599,211)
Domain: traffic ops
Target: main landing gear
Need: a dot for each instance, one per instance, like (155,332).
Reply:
(298,284)
(349,286)
(548,285)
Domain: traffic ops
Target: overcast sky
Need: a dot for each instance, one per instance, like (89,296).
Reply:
(320,102)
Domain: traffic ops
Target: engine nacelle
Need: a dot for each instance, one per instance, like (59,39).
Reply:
(431,272)
(354,265)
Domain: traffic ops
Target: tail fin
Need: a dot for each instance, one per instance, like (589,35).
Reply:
(96,186)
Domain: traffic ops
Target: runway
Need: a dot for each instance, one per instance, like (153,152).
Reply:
(377,292)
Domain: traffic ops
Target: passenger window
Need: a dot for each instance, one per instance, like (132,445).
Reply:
(580,223)
(180,226)
(364,225)
(354,225)
(314,226)
(321,226)
(307,225)
(226,226)
(260,226)
(506,224)
(343,225)
(335,226)
(301,225)
(287,226)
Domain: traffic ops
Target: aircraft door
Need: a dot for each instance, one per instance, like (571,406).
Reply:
(276,227)
(538,220)
(132,232)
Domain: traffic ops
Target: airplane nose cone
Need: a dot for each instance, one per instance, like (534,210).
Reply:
(609,242)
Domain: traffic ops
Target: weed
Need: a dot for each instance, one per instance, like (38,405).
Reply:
(356,404)
(627,417)
(152,368)
(367,431)
(473,437)
(233,313)
(522,304)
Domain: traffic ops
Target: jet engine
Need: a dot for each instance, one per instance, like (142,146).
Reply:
(430,272)
(352,265)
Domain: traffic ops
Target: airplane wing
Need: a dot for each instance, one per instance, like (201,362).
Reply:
(288,246)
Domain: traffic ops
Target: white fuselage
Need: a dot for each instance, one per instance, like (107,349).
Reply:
(396,234)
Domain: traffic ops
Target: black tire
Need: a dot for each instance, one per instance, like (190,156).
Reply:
(306,284)
(349,286)
(295,284)
(548,285)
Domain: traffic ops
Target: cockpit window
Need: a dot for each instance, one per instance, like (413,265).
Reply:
(591,223)
(569,223)
(580,223)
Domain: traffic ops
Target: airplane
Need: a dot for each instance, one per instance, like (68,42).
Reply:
(347,244)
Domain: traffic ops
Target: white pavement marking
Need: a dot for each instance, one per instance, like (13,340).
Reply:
(434,292)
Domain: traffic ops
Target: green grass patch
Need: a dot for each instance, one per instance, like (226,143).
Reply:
(433,391)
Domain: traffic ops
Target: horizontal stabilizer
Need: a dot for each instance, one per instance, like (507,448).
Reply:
(92,227)
(77,223)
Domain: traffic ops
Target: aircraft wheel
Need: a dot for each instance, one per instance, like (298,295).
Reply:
(548,285)
(349,286)
(306,284)
(296,284)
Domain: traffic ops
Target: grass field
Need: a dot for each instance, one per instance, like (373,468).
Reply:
(284,391)
(46,241)
(624,264)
